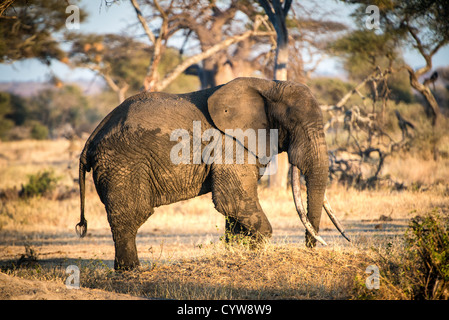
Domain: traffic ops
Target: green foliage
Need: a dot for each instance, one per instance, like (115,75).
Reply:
(329,91)
(42,115)
(5,126)
(11,113)
(363,51)
(38,131)
(5,104)
(420,269)
(5,109)
(184,83)
(400,89)
(428,19)
(121,58)
(53,108)
(27,29)
(428,248)
(125,60)
(39,184)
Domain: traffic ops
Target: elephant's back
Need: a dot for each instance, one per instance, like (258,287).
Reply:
(165,112)
(156,113)
(136,135)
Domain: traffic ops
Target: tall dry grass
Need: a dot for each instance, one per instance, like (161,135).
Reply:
(179,246)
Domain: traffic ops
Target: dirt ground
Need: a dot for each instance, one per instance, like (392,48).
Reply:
(38,241)
(14,288)
(59,250)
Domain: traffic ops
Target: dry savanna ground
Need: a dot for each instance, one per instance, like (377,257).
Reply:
(179,247)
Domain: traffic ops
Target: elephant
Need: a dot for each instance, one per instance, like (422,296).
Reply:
(131,154)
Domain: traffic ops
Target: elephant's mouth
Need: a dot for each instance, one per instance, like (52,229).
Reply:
(296,183)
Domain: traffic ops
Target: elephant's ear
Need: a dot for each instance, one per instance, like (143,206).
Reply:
(238,105)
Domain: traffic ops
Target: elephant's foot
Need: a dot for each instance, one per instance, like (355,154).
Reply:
(126,254)
(236,233)
(249,241)
(125,265)
(310,240)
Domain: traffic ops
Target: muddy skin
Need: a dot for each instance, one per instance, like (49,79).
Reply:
(129,154)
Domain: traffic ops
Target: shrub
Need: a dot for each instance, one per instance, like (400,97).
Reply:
(5,126)
(428,248)
(38,131)
(418,268)
(39,184)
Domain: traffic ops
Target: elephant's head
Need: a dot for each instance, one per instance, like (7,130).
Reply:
(291,108)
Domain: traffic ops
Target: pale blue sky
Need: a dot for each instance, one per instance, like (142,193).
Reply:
(121,19)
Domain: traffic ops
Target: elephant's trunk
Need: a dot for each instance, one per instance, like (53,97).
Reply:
(314,160)
(316,187)
(296,189)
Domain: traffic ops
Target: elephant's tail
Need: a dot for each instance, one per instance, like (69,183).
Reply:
(81,227)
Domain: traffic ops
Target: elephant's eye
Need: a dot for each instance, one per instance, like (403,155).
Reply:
(226,110)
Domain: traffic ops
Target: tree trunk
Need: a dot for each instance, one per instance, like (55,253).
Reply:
(432,110)
(121,92)
(278,180)
(277,14)
(281,58)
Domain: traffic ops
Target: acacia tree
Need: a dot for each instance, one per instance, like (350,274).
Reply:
(365,56)
(119,60)
(194,16)
(27,30)
(420,24)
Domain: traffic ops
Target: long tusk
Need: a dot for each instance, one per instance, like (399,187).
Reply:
(333,218)
(300,207)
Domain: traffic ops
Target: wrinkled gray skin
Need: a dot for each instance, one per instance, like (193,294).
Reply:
(129,153)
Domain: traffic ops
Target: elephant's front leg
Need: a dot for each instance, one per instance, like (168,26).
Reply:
(234,192)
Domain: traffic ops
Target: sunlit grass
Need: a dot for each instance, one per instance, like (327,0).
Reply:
(180,249)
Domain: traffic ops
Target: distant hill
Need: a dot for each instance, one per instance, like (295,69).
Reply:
(30,88)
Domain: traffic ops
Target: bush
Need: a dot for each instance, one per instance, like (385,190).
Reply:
(419,268)
(38,131)
(428,247)
(39,184)
(5,126)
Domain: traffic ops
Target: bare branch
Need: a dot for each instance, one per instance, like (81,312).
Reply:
(268,10)
(144,24)
(348,95)
(5,6)
(111,83)
(171,76)
(287,5)
(422,51)
(152,75)
(438,47)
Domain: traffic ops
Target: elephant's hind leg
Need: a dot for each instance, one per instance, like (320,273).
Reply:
(234,192)
(127,210)
(124,227)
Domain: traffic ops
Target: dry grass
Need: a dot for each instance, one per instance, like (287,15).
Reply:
(273,272)
(180,249)
(414,171)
